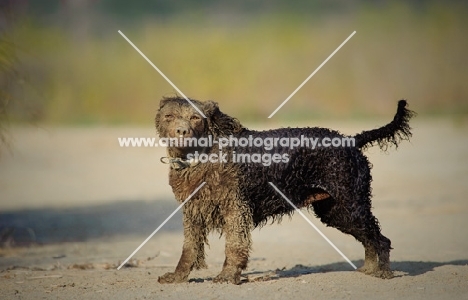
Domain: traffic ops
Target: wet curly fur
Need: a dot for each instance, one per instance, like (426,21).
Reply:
(334,182)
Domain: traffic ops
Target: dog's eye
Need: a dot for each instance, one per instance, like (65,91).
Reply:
(169,117)
(194,118)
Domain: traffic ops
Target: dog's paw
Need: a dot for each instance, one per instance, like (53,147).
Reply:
(373,270)
(171,278)
(227,278)
(368,270)
(384,274)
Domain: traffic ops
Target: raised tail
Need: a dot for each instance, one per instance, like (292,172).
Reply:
(390,134)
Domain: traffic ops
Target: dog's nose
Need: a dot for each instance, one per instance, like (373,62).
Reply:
(182,131)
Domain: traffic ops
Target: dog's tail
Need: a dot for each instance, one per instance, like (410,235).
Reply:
(390,134)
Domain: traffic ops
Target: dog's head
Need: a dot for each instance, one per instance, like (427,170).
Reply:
(176,118)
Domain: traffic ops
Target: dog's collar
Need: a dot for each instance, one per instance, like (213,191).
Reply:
(178,163)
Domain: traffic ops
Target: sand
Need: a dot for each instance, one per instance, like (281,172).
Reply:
(80,205)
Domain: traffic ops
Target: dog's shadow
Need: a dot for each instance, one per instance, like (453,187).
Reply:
(401,268)
(415,268)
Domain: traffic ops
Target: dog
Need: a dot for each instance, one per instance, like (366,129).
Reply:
(333,181)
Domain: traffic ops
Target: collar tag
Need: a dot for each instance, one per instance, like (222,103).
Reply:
(177,163)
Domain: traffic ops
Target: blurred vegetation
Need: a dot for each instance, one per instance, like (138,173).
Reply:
(7,61)
(81,71)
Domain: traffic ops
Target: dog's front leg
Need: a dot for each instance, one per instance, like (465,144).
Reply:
(190,257)
(237,228)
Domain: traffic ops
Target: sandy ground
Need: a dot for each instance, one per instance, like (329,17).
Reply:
(79,205)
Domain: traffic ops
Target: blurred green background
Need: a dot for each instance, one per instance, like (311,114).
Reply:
(63,62)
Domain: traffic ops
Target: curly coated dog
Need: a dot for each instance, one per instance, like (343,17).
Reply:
(334,181)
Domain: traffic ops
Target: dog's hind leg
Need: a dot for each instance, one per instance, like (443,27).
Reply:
(380,248)
(237,227)
(376,246)
(193,252)
(365,228)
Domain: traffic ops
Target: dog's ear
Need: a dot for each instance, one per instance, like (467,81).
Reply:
(163,101)
(218,122)
(157,121)
(210,108)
